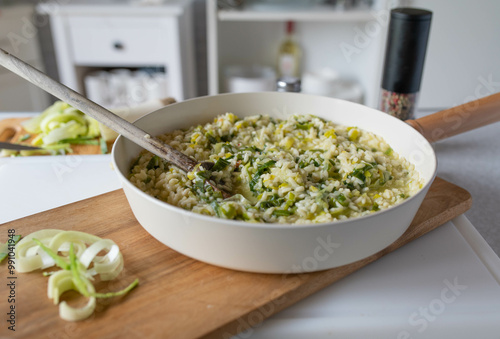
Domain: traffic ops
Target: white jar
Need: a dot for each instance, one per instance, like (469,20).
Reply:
(327,82)
(253,78)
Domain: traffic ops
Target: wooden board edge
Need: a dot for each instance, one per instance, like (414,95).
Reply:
(55,209)
(254,318)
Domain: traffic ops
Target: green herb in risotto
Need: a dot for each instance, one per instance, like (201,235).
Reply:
(299,170)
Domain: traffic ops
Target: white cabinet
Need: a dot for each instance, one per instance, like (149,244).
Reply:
(351,42)
(88,38)
(119,41)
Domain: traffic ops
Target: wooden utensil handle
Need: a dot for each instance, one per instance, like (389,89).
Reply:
(459,119)
(97,112)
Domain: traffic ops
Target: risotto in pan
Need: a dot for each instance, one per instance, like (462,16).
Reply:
(299,170)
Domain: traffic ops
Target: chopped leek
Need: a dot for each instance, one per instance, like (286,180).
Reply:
(342,200)
(4,248)
(204,174)
(81,141)
(273,201)
(219,165)
(24,137)
(75,260)
(252,149)
(117,294)
(228,209)
(103,145)
(135,163)
(27,255)
(49,150)
(94,130)
(211,138)
(153,163)
(61,124)
(61,282)
(260,170)
(216,207)
(279,213)
(304,125)
(69,130)
(57,259)
(290,200)
(56,120)
(76,273)
(33,125)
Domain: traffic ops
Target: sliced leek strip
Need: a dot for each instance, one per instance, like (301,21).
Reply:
(27,252)
(68,250)
(80,247)
(8,245)
(71,237)
(58,260)
(113,253)
(57,283)
(108,266)
(61,282)
(32,257)
(69,313)
(47,261)
(32,251)
(115,272)
(64,285)
(91,252)
(42,234)
(124,291)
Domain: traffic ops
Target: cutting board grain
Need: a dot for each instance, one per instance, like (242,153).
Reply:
(179,297)
(12,131)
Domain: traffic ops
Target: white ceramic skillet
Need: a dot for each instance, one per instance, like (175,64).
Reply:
(281,248)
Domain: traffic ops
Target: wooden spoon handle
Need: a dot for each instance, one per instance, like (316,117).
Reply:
(459,119)
(97,112)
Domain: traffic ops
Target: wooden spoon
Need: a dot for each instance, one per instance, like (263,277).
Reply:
(107,118)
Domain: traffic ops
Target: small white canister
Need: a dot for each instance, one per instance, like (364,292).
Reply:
(328,83)
(254,78)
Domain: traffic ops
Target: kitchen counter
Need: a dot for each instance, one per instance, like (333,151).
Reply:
(445,284)
(472,161)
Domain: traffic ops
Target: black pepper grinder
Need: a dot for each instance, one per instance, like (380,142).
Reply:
(404,61)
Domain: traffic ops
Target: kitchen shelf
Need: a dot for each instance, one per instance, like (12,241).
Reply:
(348,41)
(322,13)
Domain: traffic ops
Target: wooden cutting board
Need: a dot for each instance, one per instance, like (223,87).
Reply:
(179,297)
(12,131)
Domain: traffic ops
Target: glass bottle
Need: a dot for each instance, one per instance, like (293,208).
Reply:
(289,54)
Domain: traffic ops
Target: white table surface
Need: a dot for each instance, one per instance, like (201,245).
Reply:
(406,294)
